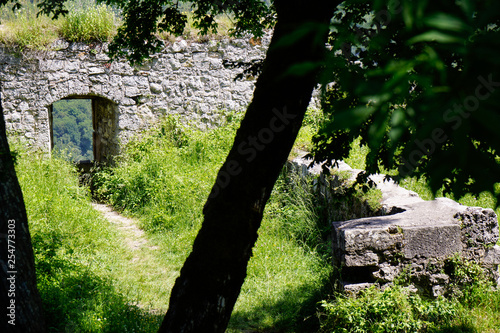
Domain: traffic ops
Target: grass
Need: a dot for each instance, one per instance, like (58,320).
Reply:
(27,31)
(89,23)
(78,254)
(91,281)
(164,179)
(85,22)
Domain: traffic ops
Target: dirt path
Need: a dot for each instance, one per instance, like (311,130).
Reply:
(139,268)
(134,238)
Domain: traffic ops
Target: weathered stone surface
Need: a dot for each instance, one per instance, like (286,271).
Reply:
(417,236)
(492,256)
(184,79)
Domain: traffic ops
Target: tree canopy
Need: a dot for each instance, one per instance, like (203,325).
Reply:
(419,82)
(72,129)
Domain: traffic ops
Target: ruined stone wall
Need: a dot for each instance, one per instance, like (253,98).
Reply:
(187,79)
(409,235)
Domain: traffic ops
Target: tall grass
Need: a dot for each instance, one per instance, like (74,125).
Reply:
(76,253)
(26,30)
(164,179)
(87,23)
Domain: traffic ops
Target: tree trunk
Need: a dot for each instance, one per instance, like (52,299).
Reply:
(210,281)
(21,305)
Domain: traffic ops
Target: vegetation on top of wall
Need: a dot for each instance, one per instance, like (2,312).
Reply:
(86,22)
(89,23)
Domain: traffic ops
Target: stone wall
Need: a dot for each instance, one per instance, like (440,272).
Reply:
(187,79)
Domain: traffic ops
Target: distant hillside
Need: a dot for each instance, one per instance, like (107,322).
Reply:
(72,129)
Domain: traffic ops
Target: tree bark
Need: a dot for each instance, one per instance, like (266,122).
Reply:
(204,295)
(21,305)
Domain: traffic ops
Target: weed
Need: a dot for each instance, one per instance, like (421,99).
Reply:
(28,31)
(395,309)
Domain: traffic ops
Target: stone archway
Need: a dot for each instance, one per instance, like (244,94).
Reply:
(104,128)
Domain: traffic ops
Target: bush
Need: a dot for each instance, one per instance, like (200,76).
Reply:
(393,310)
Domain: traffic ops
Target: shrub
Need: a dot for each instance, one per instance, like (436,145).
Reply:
(393,310)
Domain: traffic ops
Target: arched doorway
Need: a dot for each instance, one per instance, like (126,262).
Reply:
(83,129)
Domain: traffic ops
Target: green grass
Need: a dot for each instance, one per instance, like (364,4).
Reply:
(27,31)
(89,23)
(92,281)
(164,179)
(86,21)
(78,254)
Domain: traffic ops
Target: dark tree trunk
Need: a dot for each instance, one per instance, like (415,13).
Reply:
(205,293)
(21,306)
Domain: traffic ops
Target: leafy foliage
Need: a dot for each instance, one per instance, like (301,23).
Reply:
(419,82)
(395,309)
(472,307)
(137,39)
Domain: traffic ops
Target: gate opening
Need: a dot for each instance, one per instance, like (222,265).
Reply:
(72,130)
(83,130)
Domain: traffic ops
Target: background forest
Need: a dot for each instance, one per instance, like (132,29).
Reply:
(72,129)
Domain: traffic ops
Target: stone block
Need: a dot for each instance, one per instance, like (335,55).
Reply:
(492,256)
(440,241)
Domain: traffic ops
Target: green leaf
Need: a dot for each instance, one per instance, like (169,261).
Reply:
(352,118)
(436,36)
(446,22)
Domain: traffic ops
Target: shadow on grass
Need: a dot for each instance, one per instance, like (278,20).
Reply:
(77,300)
(295,311)
(460,328)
